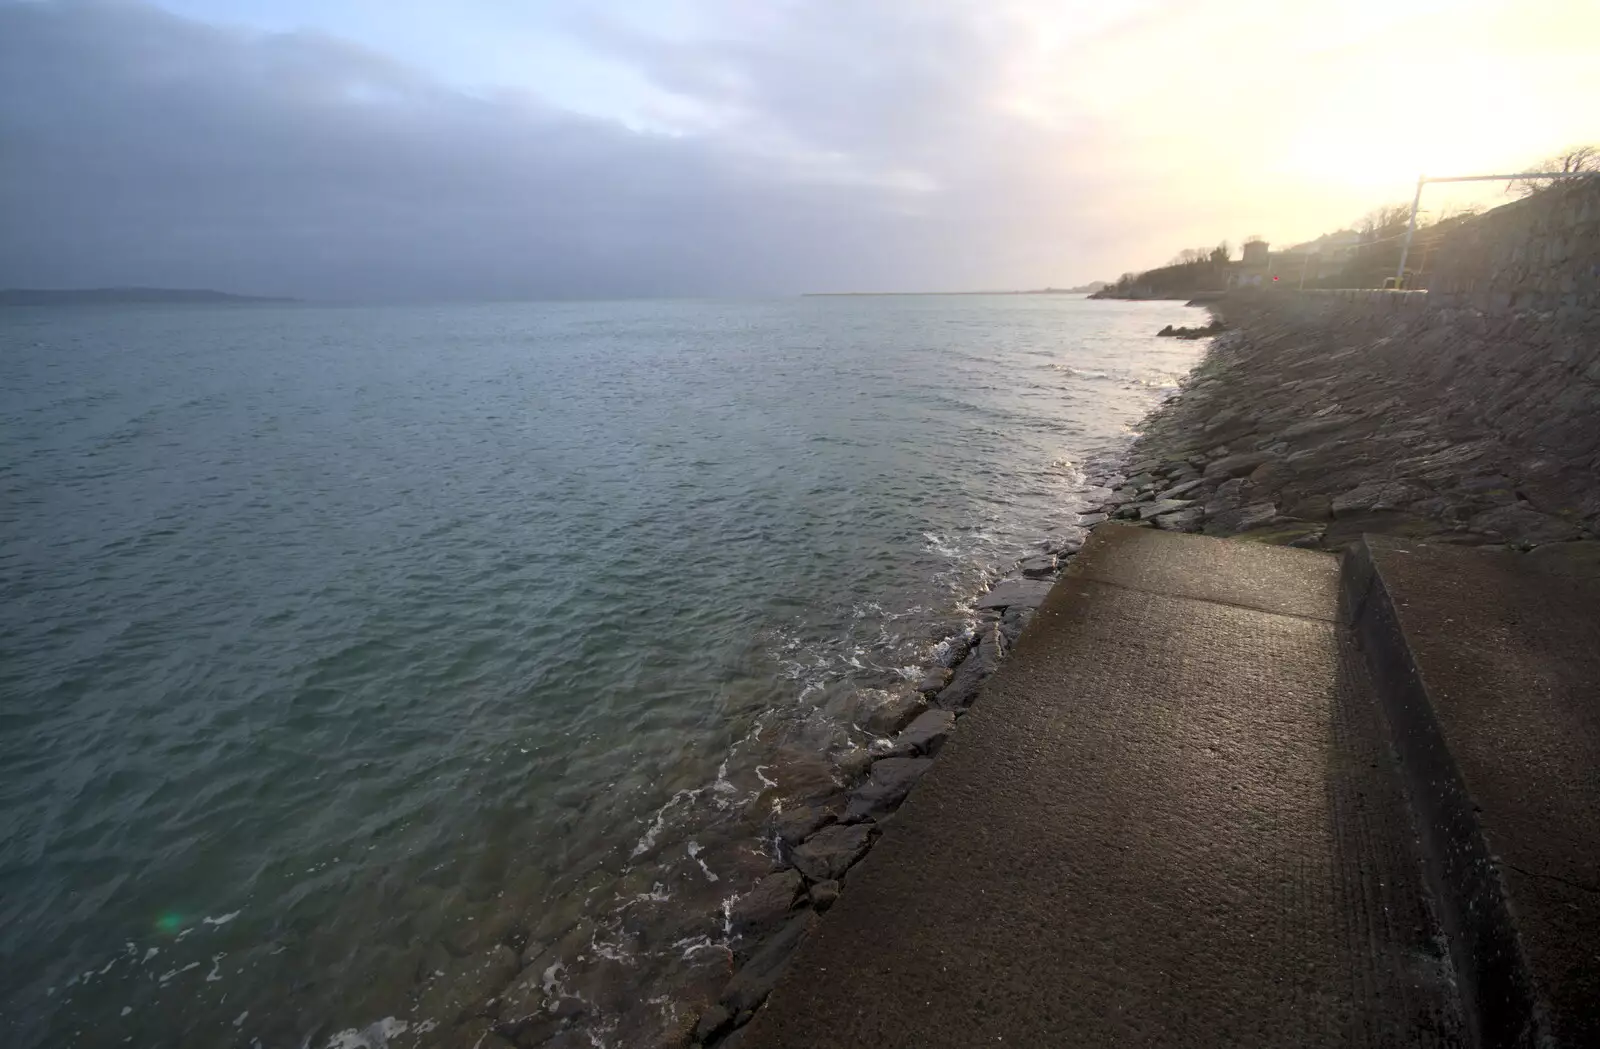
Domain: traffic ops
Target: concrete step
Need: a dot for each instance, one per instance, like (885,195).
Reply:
(1488,667)
(1172,820)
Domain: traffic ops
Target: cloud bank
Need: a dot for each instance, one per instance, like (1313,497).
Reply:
(773,149)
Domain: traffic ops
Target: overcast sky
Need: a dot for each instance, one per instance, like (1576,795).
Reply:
(491,148)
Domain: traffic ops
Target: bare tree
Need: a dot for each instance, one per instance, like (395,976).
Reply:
(1383,222)
(1584,159)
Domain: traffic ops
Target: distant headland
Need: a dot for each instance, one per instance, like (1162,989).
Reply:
(1082,289)
(86,296)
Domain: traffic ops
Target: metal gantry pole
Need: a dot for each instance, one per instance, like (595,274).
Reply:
(1411,231)
(1422,180)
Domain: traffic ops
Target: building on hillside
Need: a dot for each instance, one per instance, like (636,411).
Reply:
(1255,254)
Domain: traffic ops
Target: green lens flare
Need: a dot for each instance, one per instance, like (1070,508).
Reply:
(170,922)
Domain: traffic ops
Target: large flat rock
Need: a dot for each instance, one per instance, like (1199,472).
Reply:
(1172,821)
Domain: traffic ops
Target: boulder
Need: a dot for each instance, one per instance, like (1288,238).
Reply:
(1311,508)
(1187,520)
(1377,495)
(1163,506)
(1041,567)
(823,894)
(894,713)
(795,825)
(765,907)
(1025,593)
(1241,519)
(969,676)
(1519,523)
(1228,496)
(935,679)
(1178,491)
(925,735)
(759,974)
(891,780)
(1090,520)
(1234,465)
(827,854)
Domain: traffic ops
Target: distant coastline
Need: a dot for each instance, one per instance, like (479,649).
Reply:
(108,296)
(1082,289)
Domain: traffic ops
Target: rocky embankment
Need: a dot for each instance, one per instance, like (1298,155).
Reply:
(1317,421)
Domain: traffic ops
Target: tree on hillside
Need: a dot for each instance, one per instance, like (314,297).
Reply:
(1219,254)
(1383,222)
(1584,159)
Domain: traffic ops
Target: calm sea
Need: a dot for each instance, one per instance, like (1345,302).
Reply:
(353,658)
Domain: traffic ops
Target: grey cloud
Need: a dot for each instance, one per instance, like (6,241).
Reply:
(141,147)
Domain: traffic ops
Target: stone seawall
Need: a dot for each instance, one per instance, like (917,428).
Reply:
(1322,416)
(1541,253)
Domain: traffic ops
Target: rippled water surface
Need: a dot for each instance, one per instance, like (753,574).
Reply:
(355,658)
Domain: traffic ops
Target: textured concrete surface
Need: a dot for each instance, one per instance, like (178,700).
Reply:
(1170,821)
(1497,701)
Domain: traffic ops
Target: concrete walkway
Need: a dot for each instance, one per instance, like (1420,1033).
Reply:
(1172,820)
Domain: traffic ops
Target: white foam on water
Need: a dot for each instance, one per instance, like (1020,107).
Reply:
(373,1036)
(170,973)
(223,920)
(238,1021)
(694,854)
(693,944)
(551,983)
(761,775)
(216,968)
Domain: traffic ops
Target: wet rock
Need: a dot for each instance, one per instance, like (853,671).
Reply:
(952,650)
(1520,523)
(1163,506)
(1311,508)
(713,1022)
(823,894)
(1228,496)
(894,713)
(933,680)
(1235,465)
(1377,495)
(1178,491)
(891,780)
(1039,567)
(756,978)
(1090,520)
(795,825)
(1272,475)
(827,854)
(924,736)
(1187,520)
(1229,522)
(852,764)
(766,906)
(1313,427)
(1015,593)
(1014,622)
(969,676)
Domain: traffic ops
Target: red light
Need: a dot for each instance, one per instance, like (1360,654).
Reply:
(1274,278)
